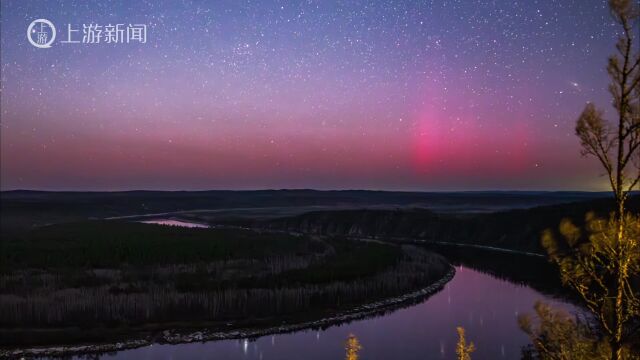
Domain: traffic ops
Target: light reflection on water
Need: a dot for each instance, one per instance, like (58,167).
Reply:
(180,223)
(485,306)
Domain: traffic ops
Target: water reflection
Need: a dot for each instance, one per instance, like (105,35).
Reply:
(485,306)
(180,223)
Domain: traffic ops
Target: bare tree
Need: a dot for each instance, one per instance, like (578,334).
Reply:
(616,144)
(616,147)
(602,265)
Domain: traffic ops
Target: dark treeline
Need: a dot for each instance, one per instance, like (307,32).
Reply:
(514,229)
(111,243)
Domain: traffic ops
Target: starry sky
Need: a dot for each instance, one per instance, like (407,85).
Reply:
(396,95)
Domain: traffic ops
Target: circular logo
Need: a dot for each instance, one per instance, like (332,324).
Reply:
(41,33)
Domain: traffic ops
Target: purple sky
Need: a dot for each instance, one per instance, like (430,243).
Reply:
(416,95)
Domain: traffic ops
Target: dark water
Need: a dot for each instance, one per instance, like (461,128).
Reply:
(486,306)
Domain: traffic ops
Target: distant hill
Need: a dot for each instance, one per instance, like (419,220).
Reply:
(25,209)
(119,203)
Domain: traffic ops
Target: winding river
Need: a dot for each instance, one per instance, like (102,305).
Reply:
(487,307)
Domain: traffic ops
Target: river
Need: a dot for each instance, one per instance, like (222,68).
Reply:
(487,307)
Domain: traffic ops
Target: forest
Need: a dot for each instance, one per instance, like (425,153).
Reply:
(111,277)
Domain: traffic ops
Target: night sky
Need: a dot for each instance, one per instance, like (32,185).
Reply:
(416,95)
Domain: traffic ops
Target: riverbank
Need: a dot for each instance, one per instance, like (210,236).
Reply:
(177,336)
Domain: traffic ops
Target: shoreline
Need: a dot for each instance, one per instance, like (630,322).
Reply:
(174,336)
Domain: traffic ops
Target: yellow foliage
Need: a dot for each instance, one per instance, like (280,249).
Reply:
(352,347)
(462,349)
(603,269)
(557,335)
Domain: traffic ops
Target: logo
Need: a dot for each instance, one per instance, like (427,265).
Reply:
(41,33)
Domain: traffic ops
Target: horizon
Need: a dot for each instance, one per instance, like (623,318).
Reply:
(319,190)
